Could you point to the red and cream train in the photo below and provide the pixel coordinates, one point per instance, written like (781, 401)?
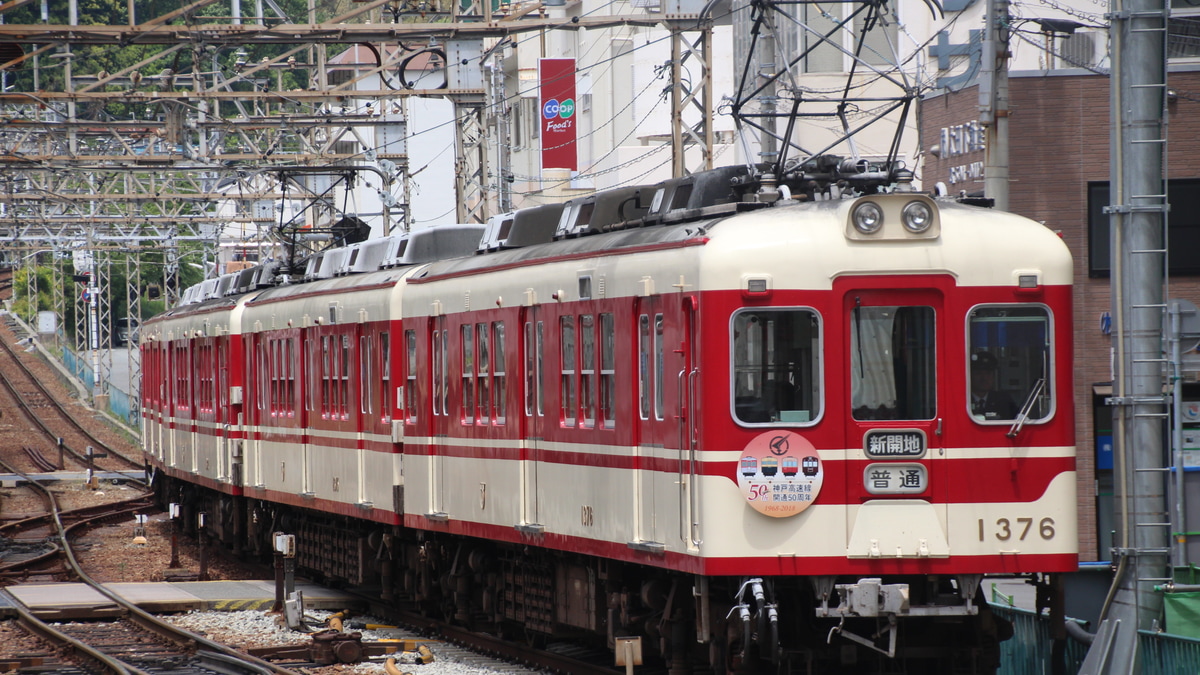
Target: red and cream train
(740, 420)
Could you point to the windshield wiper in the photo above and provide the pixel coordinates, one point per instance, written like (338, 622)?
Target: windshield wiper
(1026, 407)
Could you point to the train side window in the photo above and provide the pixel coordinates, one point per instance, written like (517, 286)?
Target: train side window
(262, 363)
(587, 369)
(538, 366)
(482, 371)
(410, 386)
(365, 374)
(1009, 363)
(223, 377)
(332, 405)
(385, 378)
(345, 377)
(437, 372)
(468, 373)
(659, 366)
(499, 390)
(533, 369)
(644, 365)
(291, 376)
(273, 376)
(530, 356)
(893, 363)
(608, 384)
(776, 366)
(325, 393)
(444, 374)
(566, 335)
(310, 361)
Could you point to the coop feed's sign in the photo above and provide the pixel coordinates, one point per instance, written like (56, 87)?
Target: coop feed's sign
(557, 77)
(780, 473)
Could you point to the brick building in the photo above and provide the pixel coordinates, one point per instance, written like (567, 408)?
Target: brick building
(1059, 167)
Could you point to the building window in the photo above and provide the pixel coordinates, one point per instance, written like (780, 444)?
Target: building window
(1183, 32)
(1183, 233)
(880, 43)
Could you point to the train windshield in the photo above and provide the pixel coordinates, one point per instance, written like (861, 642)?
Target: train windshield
(1009, 369)
(893, 374)
(775, 367)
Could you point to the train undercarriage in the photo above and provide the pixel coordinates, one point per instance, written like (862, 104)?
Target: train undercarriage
(685, 623)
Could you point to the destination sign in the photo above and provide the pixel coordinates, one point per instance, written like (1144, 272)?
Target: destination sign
(886, 443)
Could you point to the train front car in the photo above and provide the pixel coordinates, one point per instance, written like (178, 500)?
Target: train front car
(913, 359)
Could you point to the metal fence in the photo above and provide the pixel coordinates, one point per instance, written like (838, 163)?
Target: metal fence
(120, 403)
(1029, 650)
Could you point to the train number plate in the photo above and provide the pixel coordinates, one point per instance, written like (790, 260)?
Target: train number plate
(895, 478)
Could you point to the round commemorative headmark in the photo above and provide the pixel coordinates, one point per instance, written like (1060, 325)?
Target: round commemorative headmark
(780, 473)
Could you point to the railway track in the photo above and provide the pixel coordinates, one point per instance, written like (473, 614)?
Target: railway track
(58, 427)
(558, 657)
(135, 641)
(28, 544)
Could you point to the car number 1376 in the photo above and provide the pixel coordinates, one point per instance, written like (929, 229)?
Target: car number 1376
(1006, 529)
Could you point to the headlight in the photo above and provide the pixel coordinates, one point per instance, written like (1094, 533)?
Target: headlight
(868, 217)
(917, 217)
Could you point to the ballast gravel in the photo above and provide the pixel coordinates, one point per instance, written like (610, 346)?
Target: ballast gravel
(251, 629)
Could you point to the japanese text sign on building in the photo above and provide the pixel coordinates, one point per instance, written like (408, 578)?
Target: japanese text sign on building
(557, 78)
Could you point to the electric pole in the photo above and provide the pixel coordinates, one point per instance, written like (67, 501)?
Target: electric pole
(993, 103)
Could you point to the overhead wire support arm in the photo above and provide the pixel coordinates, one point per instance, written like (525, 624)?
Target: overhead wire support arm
(764, 84)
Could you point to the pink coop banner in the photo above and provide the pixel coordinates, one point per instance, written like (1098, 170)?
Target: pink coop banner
(557, 78)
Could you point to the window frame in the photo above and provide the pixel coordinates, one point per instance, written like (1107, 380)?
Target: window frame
(588, 384)
(467, 372)
(1049, 389)
(660, 364)
(499, 395)
(818, 367)
(568, 369)
(607, 403)
(409, 398)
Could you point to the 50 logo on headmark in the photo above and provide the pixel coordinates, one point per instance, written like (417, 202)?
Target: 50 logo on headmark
(553, 109)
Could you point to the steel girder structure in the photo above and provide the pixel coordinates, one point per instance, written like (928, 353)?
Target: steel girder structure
(691, 96)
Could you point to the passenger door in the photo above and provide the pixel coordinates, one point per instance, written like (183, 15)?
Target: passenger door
(653, 503)
(896, 342)
(533, 414)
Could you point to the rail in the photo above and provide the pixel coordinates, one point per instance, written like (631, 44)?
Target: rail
(42, 424)
(231, 659)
